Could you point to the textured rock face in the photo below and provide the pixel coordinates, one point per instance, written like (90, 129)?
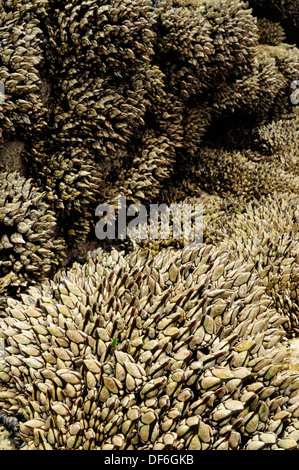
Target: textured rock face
(159, 346)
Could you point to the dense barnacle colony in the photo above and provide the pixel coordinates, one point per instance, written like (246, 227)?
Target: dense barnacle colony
(149, 344)
(29, 247)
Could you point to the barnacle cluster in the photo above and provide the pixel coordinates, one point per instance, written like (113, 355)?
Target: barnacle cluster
(285, 12)
(270, 32)
(244, 173)
(184, 350)
(29, 247)
(23, 114)
(150, 344)
(266, 232)
(130, 92)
